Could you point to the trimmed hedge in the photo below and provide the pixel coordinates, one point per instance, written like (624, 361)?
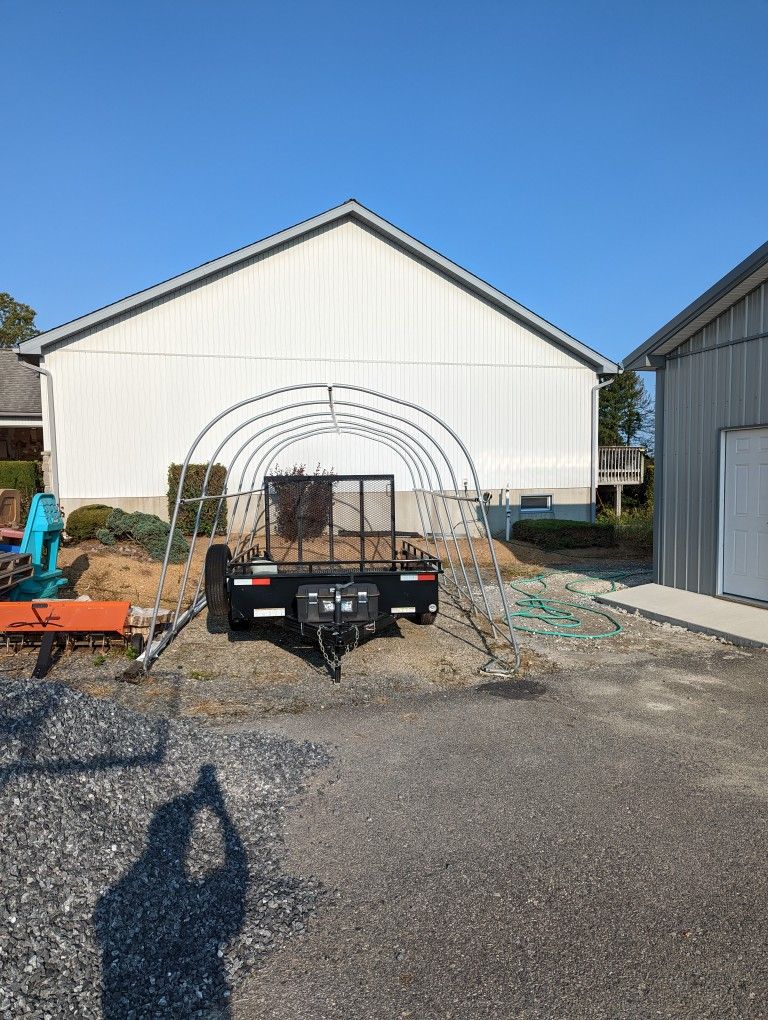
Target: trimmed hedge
(24, 475)
(193, 487)
(87, 520)
(147, 530)
(554, 534)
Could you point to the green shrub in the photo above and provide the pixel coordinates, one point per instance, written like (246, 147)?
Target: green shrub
(24, 475)
(105, 537)
(193, 487)
(148, 531)
(635, 531)
(551, 533)
(87, 520)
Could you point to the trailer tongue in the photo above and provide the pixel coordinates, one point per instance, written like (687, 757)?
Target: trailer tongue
(332, 567)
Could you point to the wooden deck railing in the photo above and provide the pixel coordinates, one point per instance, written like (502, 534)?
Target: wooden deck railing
(621, 465)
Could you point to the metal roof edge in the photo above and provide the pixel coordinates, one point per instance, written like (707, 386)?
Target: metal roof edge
(603, 365)
(352, 209)
(642, 356)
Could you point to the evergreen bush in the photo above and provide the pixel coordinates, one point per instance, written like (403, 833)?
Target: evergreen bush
(148, 531)
(24, 475)
(192, 489)
(87, 520)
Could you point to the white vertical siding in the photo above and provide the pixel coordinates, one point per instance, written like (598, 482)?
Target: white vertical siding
(341, 305)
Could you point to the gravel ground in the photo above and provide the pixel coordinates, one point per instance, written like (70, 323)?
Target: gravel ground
(141, 859)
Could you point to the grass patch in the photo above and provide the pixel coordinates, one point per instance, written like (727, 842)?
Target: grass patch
(199, 674)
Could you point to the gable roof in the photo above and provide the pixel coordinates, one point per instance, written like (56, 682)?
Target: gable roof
(19, 389)
(721, 295)
(352, 210)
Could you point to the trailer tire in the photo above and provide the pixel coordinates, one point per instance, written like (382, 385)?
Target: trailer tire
(425, 619)
(216, 561)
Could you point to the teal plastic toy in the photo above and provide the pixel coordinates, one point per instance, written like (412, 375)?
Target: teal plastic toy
(42, 538)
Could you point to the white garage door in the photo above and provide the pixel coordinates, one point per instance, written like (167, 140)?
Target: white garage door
(745, 514)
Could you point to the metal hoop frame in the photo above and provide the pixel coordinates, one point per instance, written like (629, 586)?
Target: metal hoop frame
(269, 433)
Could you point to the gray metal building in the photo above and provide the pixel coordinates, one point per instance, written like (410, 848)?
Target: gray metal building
(711, 497)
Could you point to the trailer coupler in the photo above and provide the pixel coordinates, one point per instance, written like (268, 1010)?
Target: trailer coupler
(337, 644)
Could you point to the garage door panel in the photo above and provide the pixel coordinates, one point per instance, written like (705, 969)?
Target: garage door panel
(762, 557)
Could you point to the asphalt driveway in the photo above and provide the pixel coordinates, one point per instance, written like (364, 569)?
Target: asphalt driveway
(586, 843)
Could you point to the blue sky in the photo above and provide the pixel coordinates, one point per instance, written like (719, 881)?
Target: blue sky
(601, 162)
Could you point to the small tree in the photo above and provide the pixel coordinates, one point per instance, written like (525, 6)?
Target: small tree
(17, 321)
(626, 412)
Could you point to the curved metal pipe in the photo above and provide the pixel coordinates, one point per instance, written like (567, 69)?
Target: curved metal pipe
(379, 413)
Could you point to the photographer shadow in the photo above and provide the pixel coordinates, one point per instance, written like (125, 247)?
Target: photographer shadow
(161, 930)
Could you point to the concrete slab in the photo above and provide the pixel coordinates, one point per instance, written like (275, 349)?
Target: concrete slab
(733, 621)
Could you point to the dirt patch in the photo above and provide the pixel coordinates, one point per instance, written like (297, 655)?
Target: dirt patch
(124, 571)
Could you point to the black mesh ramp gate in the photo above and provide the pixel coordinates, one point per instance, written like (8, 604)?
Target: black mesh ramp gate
(334, 519)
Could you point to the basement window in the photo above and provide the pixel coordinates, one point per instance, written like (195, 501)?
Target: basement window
(535, 504)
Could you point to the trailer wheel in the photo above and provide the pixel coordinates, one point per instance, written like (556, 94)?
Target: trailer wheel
(216, 560)
(424, 619)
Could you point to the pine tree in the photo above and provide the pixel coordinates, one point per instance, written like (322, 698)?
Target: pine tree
(626, 413)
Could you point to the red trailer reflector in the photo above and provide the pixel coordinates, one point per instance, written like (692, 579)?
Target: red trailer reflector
(426, 577)
(261, 580)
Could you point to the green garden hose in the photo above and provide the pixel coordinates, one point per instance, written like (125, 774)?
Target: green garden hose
(559, 614)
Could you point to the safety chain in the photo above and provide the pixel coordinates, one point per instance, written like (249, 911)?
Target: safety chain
(330, 655)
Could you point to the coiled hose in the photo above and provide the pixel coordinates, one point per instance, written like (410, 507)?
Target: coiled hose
(562, 617)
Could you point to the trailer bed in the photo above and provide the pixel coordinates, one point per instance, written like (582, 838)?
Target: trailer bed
(331, 565)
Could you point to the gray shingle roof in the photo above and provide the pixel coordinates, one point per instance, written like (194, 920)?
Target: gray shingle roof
(19, 388)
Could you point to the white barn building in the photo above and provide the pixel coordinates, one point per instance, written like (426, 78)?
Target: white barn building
(344, 297)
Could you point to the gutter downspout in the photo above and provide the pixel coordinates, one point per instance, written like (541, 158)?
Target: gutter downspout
(593, 473)
(51, 424)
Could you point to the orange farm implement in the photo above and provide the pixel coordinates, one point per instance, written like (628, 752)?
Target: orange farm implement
(64, 624)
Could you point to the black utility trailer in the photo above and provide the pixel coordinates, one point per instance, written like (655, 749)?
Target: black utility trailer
(332, 567)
